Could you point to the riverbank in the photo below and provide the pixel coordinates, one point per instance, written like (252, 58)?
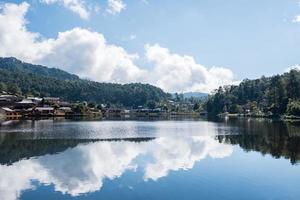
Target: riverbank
(282, 117)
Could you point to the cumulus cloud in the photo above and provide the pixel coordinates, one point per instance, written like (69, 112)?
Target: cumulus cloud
(78, 50)
(89, 55)
(175, 72)
(115, 6)
(13, 31)
(77, 6)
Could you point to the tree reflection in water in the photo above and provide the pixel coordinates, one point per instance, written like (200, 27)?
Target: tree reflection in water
(277, 138)
(82, 169)
(76, 166)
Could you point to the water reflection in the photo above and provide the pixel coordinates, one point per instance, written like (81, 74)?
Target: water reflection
(76, 158)
(83, 168)
(277, 138)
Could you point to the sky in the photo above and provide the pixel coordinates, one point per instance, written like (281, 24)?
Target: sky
(180, 46)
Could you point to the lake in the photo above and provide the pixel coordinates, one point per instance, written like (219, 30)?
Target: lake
(187, 159)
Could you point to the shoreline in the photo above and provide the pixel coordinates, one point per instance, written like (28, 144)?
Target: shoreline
(281, 118)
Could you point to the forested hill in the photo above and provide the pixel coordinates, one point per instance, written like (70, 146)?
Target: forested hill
(272, 96)
(14, 65)
(27, 79)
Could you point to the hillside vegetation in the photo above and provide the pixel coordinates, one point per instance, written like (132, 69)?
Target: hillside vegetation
(273, 96)
(26, 79)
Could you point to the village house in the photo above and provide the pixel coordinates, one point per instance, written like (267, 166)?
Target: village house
(114, 112)
(51, 100)
(35, 100)
(62, 111)
(41, 111)
(7, 100)
(25, 104)
(7, 112)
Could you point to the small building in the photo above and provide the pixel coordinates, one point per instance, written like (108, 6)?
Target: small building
(41, 111)
(7, 112)
(114, 112)
(9, 97)
(25, 104)
(51, 100)
(64, 104)
(36, 100)
(62, 111)
(7, 100)
(147, 112)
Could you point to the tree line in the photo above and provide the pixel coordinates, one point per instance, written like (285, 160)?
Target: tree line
(269, 96)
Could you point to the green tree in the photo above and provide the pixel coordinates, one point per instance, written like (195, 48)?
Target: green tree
(3, 87)
(293, 85)
(196, 106)
(14, 89)
(277, 95)
(293, 108)
(151, 104)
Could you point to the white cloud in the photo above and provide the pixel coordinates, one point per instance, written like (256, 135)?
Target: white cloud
(77, 6)
(175, 72)
(88, 54)
(296, 19)
(115, 6)
(15, 40)
(78, 50)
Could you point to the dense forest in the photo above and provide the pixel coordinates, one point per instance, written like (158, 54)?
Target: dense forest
(26, 79)
(273, 96)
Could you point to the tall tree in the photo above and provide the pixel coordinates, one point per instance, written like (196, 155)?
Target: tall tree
(293, 85)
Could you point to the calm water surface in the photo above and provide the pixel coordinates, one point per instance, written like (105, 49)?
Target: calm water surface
(236, 159)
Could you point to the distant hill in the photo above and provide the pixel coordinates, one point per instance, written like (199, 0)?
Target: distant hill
(195, 95)
(16, 66)
(19, 77)
(187, 95)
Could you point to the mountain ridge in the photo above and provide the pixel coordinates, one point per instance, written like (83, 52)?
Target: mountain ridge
(37, 80)
(16, 65)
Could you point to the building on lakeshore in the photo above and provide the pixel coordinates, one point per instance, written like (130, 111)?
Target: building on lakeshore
(41, 111)
(25, 104)
(51, 100)
(36, 100)
(8, 100)
(62, 111)
(7, 112)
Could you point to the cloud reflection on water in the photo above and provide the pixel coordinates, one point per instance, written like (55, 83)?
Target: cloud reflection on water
(82, 169)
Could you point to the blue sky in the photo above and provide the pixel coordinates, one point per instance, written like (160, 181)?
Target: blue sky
(249, 37)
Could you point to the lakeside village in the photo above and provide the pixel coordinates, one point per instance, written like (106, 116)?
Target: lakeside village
(17, 107)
